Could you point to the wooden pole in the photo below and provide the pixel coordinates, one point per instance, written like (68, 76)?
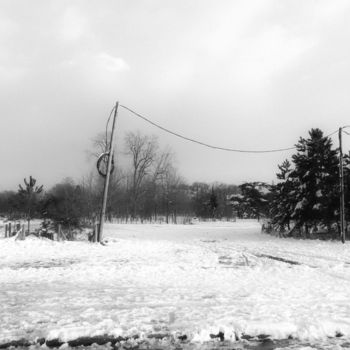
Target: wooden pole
(6, 229)
(341, 181)
(23, 233)
(59, 234)
(10, 229)
(109, 166)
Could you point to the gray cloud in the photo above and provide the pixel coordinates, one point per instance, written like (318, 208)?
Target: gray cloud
(240, 74)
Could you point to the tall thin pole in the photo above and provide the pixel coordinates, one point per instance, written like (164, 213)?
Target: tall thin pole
(109, 166)
(341, 180)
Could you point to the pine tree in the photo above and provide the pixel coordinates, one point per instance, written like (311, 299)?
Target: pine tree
(254, 202)
(316, 172)
(284, 201)
(29, 193)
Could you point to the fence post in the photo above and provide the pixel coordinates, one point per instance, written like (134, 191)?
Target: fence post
(18, 226)
(6, 230)
(59, 234)
(23, 233)
(95, 232)
(10, 229)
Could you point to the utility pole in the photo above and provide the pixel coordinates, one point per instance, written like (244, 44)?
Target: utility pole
(341, 180)
(109, 166)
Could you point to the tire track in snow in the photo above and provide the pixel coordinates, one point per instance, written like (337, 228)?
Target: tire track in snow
(318, 257)
(318, 268)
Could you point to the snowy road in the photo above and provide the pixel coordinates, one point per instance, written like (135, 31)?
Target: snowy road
(192, 280)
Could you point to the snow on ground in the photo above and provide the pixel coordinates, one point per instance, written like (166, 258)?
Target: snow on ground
(180, 279)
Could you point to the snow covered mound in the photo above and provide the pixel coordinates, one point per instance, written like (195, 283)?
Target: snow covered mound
(195, 280)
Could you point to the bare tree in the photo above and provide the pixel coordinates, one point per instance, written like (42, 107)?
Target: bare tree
(162, 166)
(93, 183)
(99, 145)
(170, 183)
(90, 185)
(142, 191)
(163, 163)
(143, 150)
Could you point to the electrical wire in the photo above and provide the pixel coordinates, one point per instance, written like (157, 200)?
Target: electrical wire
(344, 127)
(206, 144)
(331, 134)
(203, 143)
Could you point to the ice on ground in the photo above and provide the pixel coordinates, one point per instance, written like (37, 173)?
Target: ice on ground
(195, 280)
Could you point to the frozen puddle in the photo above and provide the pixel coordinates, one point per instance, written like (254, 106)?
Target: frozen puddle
(190, 283)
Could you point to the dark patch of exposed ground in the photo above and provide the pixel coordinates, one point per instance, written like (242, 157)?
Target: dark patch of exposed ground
(161, 341)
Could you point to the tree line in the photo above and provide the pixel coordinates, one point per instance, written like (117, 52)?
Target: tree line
(305, 200)
(148, 186)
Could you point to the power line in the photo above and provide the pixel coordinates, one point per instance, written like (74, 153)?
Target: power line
(203, 143)
(331, 134)
(344, 127)
(206, 144)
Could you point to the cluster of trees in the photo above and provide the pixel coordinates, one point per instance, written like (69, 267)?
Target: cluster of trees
(305, 198)
(22, 203)
(149, 187)
(62, 204)
(307, 194)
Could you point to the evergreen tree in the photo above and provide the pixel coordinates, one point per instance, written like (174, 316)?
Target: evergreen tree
(284, 198)
(29, 195)
(316, 172)
(254, 200)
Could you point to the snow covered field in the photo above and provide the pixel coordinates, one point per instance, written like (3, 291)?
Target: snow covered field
(194, 280)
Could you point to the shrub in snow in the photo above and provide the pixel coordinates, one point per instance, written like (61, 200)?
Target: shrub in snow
(64, 205)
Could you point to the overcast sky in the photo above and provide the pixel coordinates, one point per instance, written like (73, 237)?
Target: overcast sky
(254, 74)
